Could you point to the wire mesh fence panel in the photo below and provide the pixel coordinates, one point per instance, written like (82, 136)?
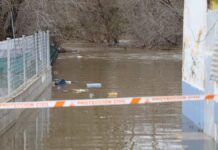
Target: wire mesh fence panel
(40, 52)
(44, 49)
(30, 57)
(20, 60)
(3, 73)
(17, 60)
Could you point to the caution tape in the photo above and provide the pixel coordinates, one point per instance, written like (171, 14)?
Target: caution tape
(104, 102)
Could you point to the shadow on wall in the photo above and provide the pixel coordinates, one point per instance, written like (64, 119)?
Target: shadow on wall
(193, 110)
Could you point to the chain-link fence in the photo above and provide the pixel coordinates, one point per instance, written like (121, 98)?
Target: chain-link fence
(21, 60)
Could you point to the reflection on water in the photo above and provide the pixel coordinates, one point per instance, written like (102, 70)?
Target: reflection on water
(29, 130)
(127, 73)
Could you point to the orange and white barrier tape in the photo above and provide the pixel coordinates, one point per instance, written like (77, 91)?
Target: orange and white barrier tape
(104, 102)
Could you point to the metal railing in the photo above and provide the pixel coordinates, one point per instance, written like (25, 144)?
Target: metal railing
(21, 60)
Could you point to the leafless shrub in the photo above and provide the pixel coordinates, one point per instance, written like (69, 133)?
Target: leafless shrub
(151, 22)
(156, 22)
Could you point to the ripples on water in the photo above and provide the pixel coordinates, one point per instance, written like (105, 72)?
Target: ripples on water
(143, 127)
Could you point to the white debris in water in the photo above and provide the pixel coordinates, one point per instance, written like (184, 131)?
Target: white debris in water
(78, 91)
(102, 117)
(79, 57)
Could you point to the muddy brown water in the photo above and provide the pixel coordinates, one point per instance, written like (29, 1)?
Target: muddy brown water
(122, 73)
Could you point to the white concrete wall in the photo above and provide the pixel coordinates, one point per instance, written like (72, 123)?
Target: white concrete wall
(198, 45)
(195, 29)
(210, 114)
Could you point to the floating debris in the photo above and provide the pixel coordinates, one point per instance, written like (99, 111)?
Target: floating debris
(79, 57)
(112, 95)
(91, 95)
(78, 91)
(102, 117)
(68, 82)
(62, 82)
(93, 85)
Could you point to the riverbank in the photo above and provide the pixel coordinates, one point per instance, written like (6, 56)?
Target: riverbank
(126, 45)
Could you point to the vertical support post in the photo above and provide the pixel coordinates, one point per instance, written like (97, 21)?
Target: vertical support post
(24, 58)
(44, 50)
(9, 64)
(36, 52)
(48, 48)
(40, 49)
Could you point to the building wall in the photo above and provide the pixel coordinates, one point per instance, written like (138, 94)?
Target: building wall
(211, 86)
(198, 44)
(195, 26)
(195, 29)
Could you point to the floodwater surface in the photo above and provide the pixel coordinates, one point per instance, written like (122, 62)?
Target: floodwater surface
(122, 73)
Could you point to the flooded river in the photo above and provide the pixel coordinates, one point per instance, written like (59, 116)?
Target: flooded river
(122, 73)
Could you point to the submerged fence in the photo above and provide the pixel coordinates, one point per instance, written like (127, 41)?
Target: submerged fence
(21, 60)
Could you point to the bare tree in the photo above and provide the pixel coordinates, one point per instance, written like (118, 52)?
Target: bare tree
(156, 22)
(101, 20)
(151, 22)
(8, 15)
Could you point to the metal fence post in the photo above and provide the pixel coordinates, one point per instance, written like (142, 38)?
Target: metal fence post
(36, 53)
(48, 48)
(44, 50)
(40, 49)
(24, 58)
(9, 65)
